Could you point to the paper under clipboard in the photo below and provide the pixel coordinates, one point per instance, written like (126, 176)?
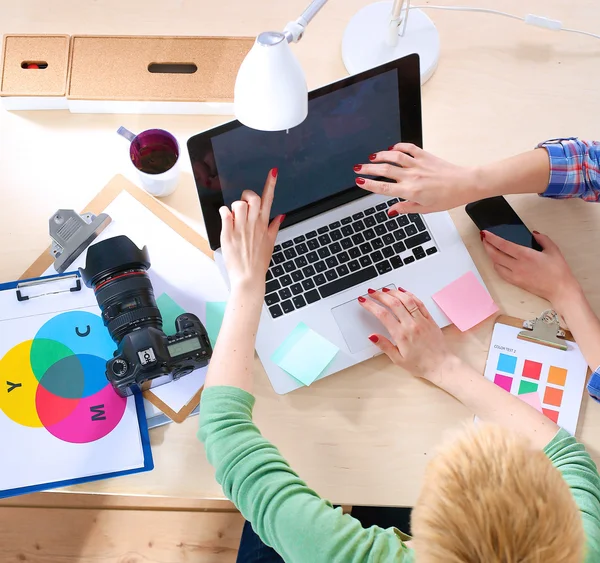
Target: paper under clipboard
(60, 419)
(189, 276)
(540, 363)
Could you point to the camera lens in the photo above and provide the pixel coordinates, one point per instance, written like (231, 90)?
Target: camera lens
(116, 270)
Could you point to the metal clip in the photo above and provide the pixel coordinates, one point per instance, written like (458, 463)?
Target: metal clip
(72, 233)
(545, 330)
(49, 286)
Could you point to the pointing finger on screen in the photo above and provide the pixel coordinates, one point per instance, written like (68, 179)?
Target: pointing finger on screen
(268, 193)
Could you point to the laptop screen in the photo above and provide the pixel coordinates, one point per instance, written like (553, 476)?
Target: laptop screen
(314, 159)
(346, 122)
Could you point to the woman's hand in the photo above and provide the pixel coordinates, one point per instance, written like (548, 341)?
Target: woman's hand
(247, 239)
(418, 344)
(427, 182)
(546, 273)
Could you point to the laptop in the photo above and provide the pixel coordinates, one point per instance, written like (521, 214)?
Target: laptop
(337, 239)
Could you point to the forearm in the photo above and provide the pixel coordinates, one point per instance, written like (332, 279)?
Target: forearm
(233, 357)
(528, 172)
(582, 322)
(492, 404)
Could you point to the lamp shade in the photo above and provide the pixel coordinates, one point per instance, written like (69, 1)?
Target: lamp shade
(270, 90)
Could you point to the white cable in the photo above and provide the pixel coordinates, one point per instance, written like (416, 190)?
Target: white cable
(581, 32)
(530, 19)
(469, 9)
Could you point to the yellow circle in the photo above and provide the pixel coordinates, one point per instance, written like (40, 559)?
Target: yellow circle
(18, 386)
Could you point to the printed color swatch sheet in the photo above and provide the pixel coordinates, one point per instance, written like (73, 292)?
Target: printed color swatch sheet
(556, 376)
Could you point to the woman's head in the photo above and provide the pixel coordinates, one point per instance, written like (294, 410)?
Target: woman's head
(489, 498)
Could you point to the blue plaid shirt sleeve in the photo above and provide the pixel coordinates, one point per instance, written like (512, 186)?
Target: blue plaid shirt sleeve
(594, 385)
(574, 168)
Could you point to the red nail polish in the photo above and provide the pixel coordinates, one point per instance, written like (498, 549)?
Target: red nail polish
(361, 299)
(274, 172)
(371, 291)
(402, 289)
(360, 181)
(391, 148)
(385, 289)
(357, 167)
(281, 218)
(392, 213)
(536, 232)
(372, 156)
(482, 235)
(374, 339)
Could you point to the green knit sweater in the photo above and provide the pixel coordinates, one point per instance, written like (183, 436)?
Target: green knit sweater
(301, 526)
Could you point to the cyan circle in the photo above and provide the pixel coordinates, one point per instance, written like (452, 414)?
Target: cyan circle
(81, 332)
(94, 373)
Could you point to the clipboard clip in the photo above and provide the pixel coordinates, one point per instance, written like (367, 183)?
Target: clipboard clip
(48, 286)
(545, 330)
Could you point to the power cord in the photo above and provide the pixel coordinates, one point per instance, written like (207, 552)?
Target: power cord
(529, 19)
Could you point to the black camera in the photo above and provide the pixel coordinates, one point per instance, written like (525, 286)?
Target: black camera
(117, 271)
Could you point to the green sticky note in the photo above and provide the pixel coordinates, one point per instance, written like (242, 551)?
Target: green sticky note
(215, 311)
(304, 354)
(527, 387)
(169, 311)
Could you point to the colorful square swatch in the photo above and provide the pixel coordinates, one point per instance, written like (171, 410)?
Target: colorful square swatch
(465, 301)
(503, 381)
(215, 311)
(533, 400)
(304, 354)
(552, 415)
(557, 376)
(553, 396)
(507, 363)
(169, 311)
(527, 387)
(532, 370)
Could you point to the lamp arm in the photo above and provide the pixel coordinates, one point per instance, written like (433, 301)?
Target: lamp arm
(295, 30)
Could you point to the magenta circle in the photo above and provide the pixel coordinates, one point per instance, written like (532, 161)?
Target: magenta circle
(92, 419)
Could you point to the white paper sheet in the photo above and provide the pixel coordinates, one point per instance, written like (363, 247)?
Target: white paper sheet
(178, 269)
(512, 372)
(53, 429)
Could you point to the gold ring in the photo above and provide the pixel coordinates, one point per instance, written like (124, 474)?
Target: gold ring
(412, 311)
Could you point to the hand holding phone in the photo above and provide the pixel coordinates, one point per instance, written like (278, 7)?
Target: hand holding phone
(495, 215)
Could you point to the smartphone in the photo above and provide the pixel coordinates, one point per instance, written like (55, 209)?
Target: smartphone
(495, 215)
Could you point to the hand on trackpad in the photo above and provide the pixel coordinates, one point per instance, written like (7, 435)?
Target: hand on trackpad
(356, 324)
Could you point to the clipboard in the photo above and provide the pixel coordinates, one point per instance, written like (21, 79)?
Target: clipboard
(106, 196)
(548, 371)
(27, 290)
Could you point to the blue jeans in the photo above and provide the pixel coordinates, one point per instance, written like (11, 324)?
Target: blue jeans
(253, 550)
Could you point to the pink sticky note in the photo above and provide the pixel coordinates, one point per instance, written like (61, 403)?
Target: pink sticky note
(466, 302)
(533, 400)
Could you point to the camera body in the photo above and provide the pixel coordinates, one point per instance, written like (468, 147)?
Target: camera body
(147, 354)
(116, 270)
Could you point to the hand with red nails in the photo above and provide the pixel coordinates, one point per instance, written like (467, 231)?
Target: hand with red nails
(426, 182)
(417, 343)
(247, 239)
(545, 273)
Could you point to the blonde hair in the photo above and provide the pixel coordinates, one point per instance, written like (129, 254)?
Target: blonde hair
(489, 498)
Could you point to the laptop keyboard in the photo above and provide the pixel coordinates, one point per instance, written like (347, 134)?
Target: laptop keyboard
(343, 254)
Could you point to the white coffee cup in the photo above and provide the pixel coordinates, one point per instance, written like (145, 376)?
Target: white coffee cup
(155, 155)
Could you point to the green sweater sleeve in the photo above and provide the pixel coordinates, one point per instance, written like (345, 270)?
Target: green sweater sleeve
(580, 472)
(283, 510)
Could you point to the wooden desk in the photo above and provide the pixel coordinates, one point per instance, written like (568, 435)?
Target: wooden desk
(363, 436)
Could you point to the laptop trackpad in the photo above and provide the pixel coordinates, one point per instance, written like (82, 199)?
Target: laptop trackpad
(356, 324)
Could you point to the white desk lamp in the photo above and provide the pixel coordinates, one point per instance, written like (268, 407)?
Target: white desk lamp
(270, 89)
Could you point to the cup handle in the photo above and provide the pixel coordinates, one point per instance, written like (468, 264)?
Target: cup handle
(126, 133)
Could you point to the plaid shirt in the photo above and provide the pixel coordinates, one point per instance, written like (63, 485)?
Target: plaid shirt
(574, 169)
(575, 172)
